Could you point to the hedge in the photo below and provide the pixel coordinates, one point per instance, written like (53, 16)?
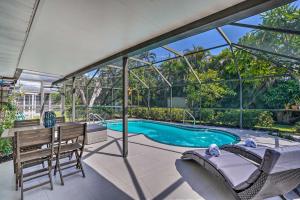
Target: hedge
(230, 117)
(251, 118)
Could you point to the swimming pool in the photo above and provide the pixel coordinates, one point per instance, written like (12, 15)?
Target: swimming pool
(177, 135)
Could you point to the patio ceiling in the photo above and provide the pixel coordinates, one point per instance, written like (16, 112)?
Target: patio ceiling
(15, 16)
(68, 36)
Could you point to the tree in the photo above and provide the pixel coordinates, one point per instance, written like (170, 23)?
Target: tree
(283, 93)
(286, 17)
(210, 91)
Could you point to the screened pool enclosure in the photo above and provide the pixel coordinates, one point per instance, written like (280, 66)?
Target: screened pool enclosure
(244, 74)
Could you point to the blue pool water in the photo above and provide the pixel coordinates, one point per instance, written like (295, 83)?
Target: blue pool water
(177, 135)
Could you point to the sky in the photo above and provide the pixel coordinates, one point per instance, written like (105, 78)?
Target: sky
(211, 38)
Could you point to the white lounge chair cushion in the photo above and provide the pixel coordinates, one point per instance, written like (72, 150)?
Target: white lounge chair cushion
(281, 159)
(238, 171)
(259, 151)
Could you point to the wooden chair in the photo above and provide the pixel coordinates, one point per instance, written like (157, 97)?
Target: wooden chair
(25, 123)
(21, 124)
(60, 120)
(77, 134)
(27, 139)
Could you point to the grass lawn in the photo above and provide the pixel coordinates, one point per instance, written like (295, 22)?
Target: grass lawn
(283, 128)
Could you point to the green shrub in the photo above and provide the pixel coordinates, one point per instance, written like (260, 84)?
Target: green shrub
(252, 118)
(140, 112)
(177, 114)
(228, 118)
(5, 146)
(265, 119)
(159, 113)
(207, 115)
(9, 111)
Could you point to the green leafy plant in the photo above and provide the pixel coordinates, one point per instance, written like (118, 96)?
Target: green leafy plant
(5, 146)
(9, 112)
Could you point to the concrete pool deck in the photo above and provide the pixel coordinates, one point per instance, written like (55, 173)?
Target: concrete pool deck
(151, 171)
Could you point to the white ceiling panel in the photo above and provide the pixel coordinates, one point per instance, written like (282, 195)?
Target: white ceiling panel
(14, 21)
(67, 35)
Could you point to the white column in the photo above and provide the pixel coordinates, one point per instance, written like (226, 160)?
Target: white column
(42, 101)
(24, 104)
(32, 105)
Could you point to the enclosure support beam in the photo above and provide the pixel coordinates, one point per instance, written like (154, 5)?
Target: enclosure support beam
(171, 102)
(125, 106)
(186, 60)
(138, 97)
(148, 101)
(92, 77)
(267, 52)
(266, 28)
(221, 32)
(155, 68)
(187, 54)
(112, 96)
(138, 78)
(267, 59)
(87, 98)
(73, 100)
(134, 74)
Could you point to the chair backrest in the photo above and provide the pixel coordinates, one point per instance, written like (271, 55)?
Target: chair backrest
(71, 131)
(281, 159)
(60, 120)
(24, 123)
(280, 169)
(34, 137)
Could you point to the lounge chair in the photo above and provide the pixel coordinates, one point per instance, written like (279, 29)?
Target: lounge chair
(254, 154)
(278, 173)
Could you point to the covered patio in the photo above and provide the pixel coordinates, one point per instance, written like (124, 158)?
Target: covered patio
(187, 64)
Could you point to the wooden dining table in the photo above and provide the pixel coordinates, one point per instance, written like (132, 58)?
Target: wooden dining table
(10, 132)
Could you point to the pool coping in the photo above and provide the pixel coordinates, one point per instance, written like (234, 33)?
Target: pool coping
(184, 126)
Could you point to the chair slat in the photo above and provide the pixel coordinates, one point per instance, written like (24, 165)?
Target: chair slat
(24, 123)
(34, 137)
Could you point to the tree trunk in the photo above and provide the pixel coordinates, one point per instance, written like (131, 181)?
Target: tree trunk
(96, 93)
(82, 95)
